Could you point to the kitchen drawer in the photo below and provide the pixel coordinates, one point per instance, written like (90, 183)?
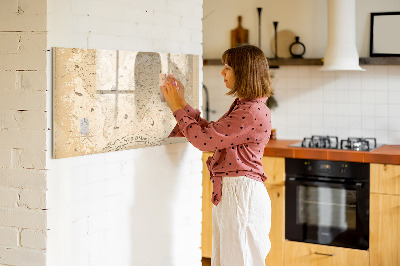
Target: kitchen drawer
(385, 178)
(305, 254)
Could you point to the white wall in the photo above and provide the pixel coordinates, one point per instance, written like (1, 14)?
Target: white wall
(311, 102)
(23, 133)
(135, 207)
(305, 18)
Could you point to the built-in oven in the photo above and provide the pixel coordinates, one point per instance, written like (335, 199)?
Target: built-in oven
(327, 202)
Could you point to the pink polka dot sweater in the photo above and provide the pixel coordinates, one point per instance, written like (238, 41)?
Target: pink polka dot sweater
(238, 139)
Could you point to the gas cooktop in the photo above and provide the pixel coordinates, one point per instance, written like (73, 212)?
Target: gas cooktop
(332, 142)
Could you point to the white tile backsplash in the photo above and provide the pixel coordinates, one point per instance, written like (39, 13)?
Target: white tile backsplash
(343, 103)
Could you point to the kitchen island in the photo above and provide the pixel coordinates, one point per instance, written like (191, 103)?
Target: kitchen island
(384, 248)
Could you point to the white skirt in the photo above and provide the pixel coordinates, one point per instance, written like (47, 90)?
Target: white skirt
(241, 223)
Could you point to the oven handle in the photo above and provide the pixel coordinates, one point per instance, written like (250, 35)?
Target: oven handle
(357, 185)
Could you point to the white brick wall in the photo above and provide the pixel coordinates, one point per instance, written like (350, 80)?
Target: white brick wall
(136, 207)
(23, 132)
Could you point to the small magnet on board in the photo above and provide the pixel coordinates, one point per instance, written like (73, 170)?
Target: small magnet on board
(84, 122)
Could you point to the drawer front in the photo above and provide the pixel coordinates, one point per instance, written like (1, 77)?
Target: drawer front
(385, 178)
(297, 253)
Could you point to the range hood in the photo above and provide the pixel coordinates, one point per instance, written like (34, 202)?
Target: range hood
(341, 51)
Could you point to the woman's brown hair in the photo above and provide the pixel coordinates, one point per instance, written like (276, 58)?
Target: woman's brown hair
(250, 66)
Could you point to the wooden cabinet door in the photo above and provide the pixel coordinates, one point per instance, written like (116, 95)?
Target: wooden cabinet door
(385, 178)
(305, 254)
(274, 168)
(384, 236)
(206, 226)
(277, 233)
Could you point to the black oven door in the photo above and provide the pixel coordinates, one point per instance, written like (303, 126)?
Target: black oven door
(327, 212)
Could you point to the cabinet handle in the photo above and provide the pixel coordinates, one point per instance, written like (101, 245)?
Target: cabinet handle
(325, 254)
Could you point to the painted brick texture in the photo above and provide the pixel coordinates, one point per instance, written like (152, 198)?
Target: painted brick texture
(23, 218)
(118, 208)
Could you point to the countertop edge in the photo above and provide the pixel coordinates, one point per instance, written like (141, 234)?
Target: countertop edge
(386, 154)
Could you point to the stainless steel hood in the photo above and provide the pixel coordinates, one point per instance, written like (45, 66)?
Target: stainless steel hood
(341, 51)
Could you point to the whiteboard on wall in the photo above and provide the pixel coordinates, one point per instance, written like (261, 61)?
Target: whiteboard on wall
(109, 100)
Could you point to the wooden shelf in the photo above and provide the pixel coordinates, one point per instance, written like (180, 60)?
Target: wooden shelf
(380, 61)
(273, 63)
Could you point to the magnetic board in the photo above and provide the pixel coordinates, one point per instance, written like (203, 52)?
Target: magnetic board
(109, 100)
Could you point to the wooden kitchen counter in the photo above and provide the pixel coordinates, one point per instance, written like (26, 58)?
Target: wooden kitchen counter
(388, 154)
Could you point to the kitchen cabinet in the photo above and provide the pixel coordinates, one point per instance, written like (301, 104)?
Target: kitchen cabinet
(305, 254)
(385, 215)
(206, 225)
(274, 168)
(385, 178)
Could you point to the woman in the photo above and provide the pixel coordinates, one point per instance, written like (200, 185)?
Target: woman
(242, 208)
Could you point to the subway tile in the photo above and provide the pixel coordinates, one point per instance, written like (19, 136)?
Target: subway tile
(394, 70)
(394, 83)
(329, 109)
(292, 82)
(355, 109)
(367, 122)
(367, 110)
(317, 95)
(382, 110)
(329, 122)
(367, 133)
(382, 136)
(380, 71)
(342, 122)
(317, 131)
(304, 82)
(355, 122)
(328, 74)
(315, 72)
(316, 83)
(380, 84)
(394, 137)
(355, 96)
(342, 133)
(342, 96)
(355, 132)
(367, 96)
(342, 109)
(381, 97)
(394, 123)
(394, 110)
(304, 72)
(354, 82)
(329, 94)
(342, 80)
(317, 107)
(367, 83)
(381, 123)
(394, 97)
(317, 120)
(291, 71)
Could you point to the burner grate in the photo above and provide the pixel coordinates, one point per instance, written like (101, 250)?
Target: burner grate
(327, 142)
(358, 144)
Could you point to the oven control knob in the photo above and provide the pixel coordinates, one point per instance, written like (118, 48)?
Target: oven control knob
(343, 168)
(308, 166)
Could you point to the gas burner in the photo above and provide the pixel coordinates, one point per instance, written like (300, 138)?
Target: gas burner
(332, 142)
(327, 142)
(358, 144)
